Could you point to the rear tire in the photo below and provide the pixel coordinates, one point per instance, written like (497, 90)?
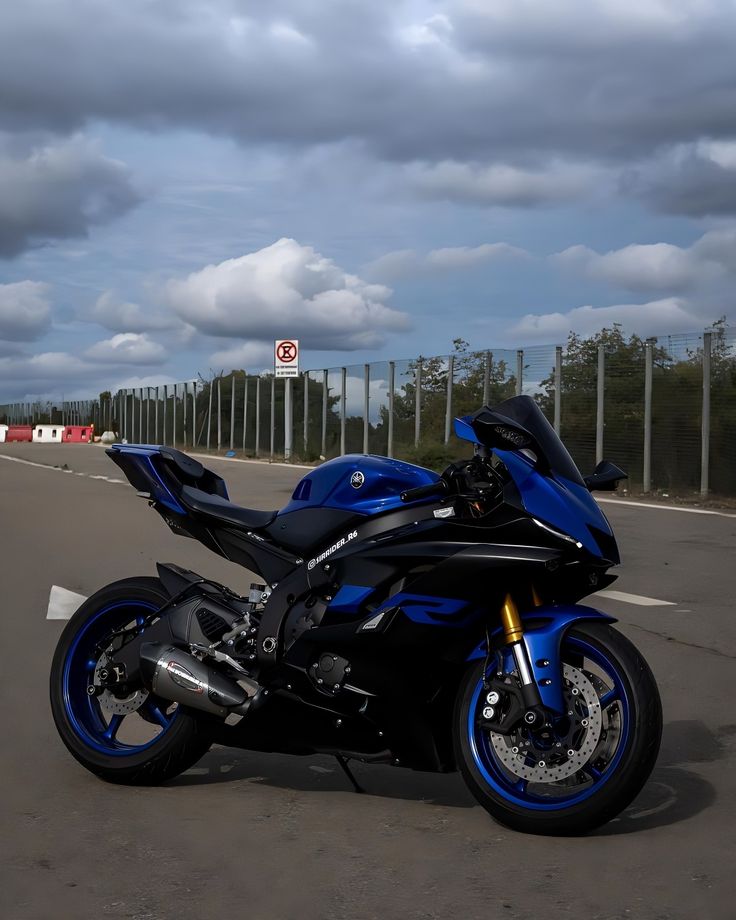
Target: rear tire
(566, 809)
(184, 736)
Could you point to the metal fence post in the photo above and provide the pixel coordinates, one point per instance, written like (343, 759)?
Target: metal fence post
(273, 413)
(164, 408)
(647, 477)
(148, 415)
(343, 407)
(232, 413)
(219, 413)
(366, 405)
(209, 411)
(140, 415)
(195, 436)
(288, 419)
(448, 406)
(391, 394)
(418, 402)
(174, 397)
(705, 430)
(600, 403)
(487, 378)
(305, 433)
(558, 388)
(245, 408)
(519, 371)
(323, 452)
(257, 449)
(184, 414)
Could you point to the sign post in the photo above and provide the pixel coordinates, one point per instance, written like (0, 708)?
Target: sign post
(286, 364)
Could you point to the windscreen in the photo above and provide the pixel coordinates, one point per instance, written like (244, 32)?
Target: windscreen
(523, 412)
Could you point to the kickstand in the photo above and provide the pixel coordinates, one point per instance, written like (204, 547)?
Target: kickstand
(348, 772)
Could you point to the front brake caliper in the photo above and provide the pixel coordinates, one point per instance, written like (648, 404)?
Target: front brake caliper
(503, 708)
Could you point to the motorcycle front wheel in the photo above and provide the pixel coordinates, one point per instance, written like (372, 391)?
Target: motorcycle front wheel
(586, 766)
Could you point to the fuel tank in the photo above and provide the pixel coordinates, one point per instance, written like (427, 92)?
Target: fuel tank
(341, 492)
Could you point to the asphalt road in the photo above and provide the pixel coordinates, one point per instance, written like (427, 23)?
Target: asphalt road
(267, 836)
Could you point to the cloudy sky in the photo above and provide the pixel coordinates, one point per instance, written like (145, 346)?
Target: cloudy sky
(182, 181)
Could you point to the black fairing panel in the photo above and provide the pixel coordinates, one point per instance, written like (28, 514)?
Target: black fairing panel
(311, 528)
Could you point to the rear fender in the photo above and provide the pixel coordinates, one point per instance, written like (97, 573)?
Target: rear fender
(176, 579)
(543, 639)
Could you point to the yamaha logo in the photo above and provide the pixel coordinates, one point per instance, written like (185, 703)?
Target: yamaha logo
(357, 479)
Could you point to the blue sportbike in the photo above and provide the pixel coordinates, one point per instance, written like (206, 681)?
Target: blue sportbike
(399, 616)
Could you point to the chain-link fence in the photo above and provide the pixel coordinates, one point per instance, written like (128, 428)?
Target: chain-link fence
(664, 409)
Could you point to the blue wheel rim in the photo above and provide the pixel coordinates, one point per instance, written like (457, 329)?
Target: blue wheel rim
(83, 711)
(516, 791)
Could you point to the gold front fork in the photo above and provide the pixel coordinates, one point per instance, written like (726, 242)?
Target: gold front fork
(511, 621)
(514, 635)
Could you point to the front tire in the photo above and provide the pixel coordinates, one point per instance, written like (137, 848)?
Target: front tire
(135, 740)
(617, 724)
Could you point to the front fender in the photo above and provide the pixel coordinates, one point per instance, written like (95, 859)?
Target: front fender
(543, 644)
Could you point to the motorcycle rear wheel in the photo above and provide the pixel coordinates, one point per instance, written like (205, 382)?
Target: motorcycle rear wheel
(139, 740)
(567, 792)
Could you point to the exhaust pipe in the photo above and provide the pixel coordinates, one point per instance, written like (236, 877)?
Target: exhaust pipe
(175, 675)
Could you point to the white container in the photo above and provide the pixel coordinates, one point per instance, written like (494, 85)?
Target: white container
(48, 434)
(3, 429)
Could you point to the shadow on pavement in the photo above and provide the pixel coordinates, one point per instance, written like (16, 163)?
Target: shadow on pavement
(671, 795)
(322, 774)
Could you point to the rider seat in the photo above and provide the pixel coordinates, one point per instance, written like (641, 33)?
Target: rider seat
(224, 510)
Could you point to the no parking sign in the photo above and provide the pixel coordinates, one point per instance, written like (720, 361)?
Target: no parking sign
(286, 357)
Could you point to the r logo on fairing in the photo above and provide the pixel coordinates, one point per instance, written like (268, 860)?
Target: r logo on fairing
(357, 479)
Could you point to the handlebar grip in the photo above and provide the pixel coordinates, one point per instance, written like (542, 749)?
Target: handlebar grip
(434, 488)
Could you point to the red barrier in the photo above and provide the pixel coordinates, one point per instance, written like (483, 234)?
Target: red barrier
(79, 434)
(19, 433)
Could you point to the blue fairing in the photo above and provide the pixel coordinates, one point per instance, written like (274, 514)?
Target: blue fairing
(141, 455)
(556, 501)
(543, 644)
(550, 497)
(383, 481)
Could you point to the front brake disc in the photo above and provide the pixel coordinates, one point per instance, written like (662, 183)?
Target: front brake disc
(536, 766)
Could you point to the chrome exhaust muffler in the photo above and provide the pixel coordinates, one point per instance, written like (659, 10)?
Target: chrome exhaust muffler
(175, 675)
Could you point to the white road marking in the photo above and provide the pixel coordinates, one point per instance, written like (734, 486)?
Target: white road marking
(63, 604)
(282, 463)
(658, 507)
(59, 469)
(637, 599)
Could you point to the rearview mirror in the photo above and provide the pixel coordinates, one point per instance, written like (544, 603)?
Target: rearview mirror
(604, 477)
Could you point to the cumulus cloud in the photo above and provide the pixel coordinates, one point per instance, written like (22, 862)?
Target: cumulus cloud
(58, 191)
(127, 348)
(46, 375)
(25, 311)
(475, 88)
(148, 380)
(695, 180)
(252, 356)
(407, 262)
(503, 184)
(657, 266)
(286, 289)
(652, 318)
(122, 316)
